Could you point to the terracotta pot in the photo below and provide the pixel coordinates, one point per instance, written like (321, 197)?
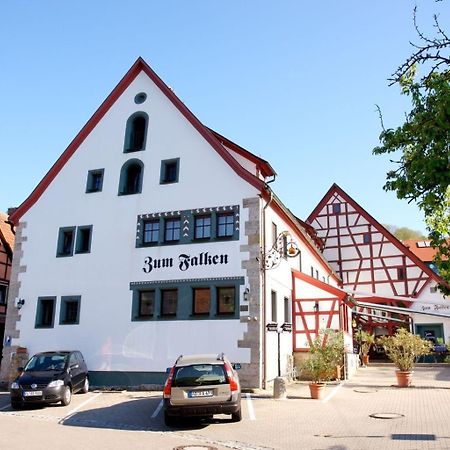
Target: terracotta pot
(404, 378)
(317, 390)
(365, 359)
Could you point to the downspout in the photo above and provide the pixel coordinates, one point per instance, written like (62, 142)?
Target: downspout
(263, 268)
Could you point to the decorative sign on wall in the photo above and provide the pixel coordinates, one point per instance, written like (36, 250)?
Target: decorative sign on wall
(184, 262)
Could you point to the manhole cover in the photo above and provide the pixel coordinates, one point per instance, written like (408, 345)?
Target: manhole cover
(386, 416)
(365, 391)
(194, 447)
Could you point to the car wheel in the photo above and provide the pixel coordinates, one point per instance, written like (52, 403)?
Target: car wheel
(67, 396)
(16, 404)
(85, 388)
(237, 416)
(170, 421)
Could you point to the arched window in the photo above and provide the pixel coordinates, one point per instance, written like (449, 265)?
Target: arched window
(136, 132)
(131, 177)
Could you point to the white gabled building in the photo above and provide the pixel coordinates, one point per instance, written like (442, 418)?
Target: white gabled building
(154, 236)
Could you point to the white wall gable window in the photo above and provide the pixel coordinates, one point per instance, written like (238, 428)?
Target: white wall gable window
(131, 176)
(136, 132)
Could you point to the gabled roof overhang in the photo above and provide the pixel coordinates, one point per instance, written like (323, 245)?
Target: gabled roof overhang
(139, 66)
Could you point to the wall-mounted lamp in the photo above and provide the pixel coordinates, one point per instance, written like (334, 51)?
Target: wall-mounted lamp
(246, 294)
(19, 303)
(283, 247)
(316, 306)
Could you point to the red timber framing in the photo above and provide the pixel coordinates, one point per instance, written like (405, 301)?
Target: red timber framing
(316, 306)
(6, 243)
(368, 258)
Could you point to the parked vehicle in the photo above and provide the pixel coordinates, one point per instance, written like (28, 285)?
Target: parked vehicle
(201, 386)
(50, 377)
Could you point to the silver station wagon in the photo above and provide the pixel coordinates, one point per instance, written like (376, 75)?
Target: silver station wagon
(201, 386)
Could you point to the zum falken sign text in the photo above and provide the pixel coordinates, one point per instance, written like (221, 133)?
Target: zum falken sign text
(185, 262)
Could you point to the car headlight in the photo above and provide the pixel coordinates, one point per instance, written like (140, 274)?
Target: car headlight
(56, 383)
(15, 385)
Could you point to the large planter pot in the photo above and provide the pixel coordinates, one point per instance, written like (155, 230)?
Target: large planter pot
(404, 378)
(317, 390)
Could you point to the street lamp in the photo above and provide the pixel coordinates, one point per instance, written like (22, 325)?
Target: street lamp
(283, 247)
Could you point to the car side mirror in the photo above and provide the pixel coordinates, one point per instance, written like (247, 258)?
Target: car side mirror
(236, 366)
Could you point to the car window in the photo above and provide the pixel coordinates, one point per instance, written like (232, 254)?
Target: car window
(79, 357)
(46, 362)
(73, 360)
(199, 374)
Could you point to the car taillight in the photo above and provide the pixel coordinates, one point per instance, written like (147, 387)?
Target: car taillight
(168, 386)
(233, 382)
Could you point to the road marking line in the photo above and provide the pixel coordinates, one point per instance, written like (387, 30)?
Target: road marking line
(333, 392)
(251, 411)
(71, 413)
(158, 409)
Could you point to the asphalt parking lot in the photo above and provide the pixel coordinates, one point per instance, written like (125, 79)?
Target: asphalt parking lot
(366, 412)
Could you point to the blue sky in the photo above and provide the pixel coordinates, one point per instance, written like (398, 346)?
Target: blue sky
(295, 82)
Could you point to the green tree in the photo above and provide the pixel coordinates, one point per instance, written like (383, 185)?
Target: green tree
(422, 172)
(404, 233)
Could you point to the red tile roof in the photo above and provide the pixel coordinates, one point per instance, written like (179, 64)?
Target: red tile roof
(6, 234)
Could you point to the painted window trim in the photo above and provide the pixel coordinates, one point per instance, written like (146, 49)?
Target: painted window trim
(127, 137)
(164, 164)
(38, 321)
(60, 242)
(185, 298)
(78, 239)
(89, 181)
(62, 309)
(187, 222)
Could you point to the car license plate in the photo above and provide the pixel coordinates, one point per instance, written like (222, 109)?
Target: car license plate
(205, 393)
(32, 393)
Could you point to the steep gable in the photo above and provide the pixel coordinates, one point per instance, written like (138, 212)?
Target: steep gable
(138, 67)
(368, 258)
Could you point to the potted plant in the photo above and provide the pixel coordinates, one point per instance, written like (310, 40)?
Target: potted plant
(365, 341)
(403, 348)
(326, 352)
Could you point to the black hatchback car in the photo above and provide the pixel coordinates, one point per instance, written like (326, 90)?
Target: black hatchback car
(50, 377)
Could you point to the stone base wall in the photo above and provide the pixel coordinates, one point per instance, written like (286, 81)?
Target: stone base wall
(12, 312)
(251, 375)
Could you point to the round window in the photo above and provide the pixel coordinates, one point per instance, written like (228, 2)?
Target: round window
(140, 98)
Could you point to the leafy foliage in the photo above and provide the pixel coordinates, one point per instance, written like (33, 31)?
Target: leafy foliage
(326, 352)
(423, 142)
(404, 347)
(365, 341)
(404, 233)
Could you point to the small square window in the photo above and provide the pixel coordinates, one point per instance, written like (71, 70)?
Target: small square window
(3, 290)
(151, 231)
(225, 225)
(45, 312)
(274, 306)
(146, 303)
(401, 275)
(84, 236)
(66, 238)
(287, 310)
(169, 171)
(169, 302)
(70, 310)
(274, 234)
(202, 227)
(336, 208)
(367, 238)
(202, 301)
(172, 230)
(95, 181)
(226, 303)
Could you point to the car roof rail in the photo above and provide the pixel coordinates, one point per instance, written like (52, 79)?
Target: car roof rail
(176, 362)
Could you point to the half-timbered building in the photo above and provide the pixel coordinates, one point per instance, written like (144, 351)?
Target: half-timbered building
(391, 285)
(6, 253)
(154, 236)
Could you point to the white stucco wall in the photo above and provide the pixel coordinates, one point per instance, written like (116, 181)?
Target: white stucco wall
(106, 335)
